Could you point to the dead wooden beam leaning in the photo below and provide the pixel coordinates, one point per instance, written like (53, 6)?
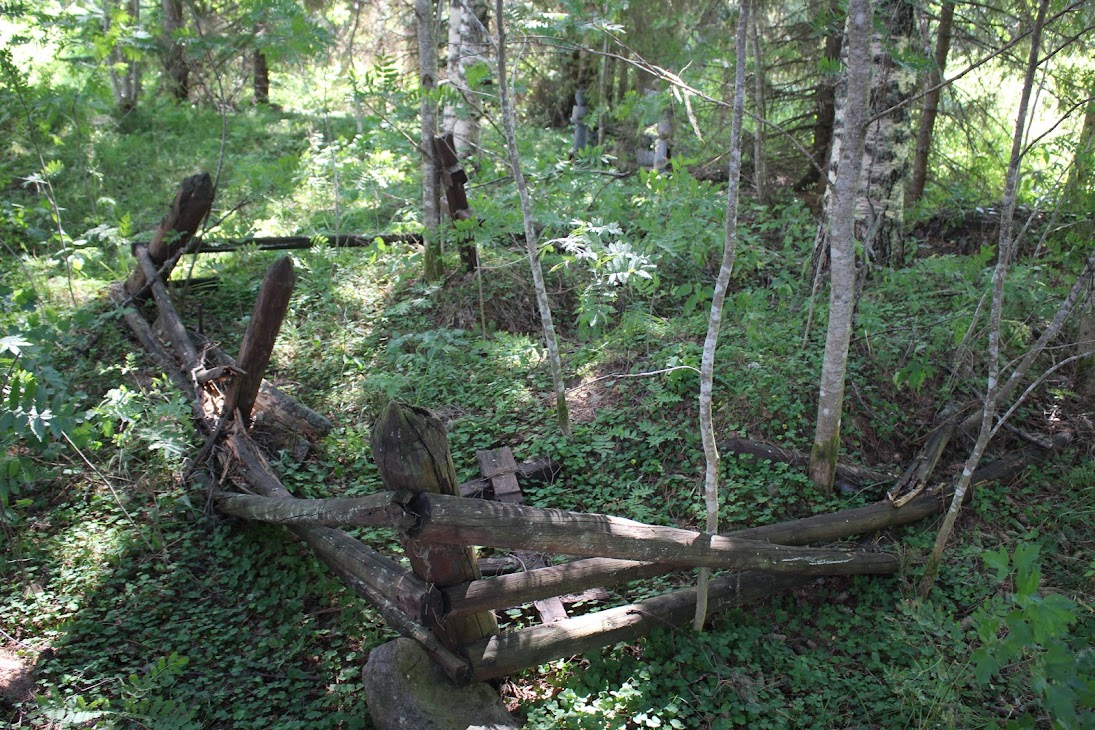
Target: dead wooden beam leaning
(191, 205)
(260, 337)
(855, 474)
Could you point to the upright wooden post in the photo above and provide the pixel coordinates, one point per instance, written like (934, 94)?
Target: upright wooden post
(190, 207)
(454, 178)
(410, 447)
(262, 333)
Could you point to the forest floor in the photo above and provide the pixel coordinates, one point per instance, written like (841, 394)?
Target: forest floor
(140, 606)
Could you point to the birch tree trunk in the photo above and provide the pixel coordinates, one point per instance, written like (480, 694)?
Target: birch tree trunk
(760, 139)
(880, 213)
(1004, 250)
(467, 28)
(509, 125)
(125, 72)
(931, 103)
(176, 70)
(849, 142)
(714, 320)
(431, 200)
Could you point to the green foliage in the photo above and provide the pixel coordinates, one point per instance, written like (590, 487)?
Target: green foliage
(1029, 632)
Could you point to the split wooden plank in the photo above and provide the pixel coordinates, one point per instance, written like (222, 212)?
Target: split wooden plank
(376, 510)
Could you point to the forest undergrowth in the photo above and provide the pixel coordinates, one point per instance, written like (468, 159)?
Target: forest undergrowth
(137, 605)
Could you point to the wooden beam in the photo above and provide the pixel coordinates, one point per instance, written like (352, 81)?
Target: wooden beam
(290, 243)
(169, 317)
(376, 510)
(412, 451)
(507, 653)
(459, 521)
(191, 205)
(260, 337)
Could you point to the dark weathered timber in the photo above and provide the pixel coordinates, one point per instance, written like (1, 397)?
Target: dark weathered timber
(142, 330)
(499, 466)
(412, 451)
(536, 470)
(844, 472)
(261, 335)
(272, 404)
(453, 178)
(456, 668)
(460, 521)
(334, 547)
(920, 469)
(515, 589)
(295, 243)
(169, 318)
(376, 510)
(190, 207)
(499, 566)
(513, 651)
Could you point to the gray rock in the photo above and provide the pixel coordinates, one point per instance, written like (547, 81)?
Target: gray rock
(405, 690)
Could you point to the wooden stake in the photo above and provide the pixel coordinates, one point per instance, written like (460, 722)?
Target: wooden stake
(190, 207)
(262, 333)
(412, 451)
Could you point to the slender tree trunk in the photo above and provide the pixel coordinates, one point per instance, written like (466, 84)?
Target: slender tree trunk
(1085, 368)
(125, 73)
(821, 150)
(714, 320)
(760, 138)
(840, 220)
(931, 103)
(1083, 162)
(431, 196)
(467, 28)
(176, 70)
(1004, 249)
(261, 78)
(509, 125)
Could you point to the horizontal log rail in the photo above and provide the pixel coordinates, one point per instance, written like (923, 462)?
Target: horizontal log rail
(288, 243)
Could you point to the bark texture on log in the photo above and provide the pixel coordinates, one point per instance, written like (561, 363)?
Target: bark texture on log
(459, 521)
(412, 451)
(191, 205)
(261, 335)
(511, 652)
(376, 510)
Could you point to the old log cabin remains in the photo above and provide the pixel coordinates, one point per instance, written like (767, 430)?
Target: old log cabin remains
(444, 601)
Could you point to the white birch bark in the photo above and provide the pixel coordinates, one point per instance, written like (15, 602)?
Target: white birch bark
(509, 125)
(840, 220)
(427, 69)
(1004, 249)
(467, 28)
(714, 320)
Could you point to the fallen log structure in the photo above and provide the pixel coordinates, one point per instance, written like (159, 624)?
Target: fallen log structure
(443, 601)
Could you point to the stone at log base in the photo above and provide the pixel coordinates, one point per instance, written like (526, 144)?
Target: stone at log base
(407, 691)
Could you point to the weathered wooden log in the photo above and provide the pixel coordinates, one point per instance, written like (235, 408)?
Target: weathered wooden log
(515, 589)
(499, 566)
(456, 668)
(453, 178)
(169, 318)
(536, 470)
(191, 205)
(292, 243)
(279, 409)
(844, 472)
(510, 652)
(459, 521)
(916, 475)
(376, 510)
(336, 548)
(412, 452)
(260, 337)
(142, 330)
